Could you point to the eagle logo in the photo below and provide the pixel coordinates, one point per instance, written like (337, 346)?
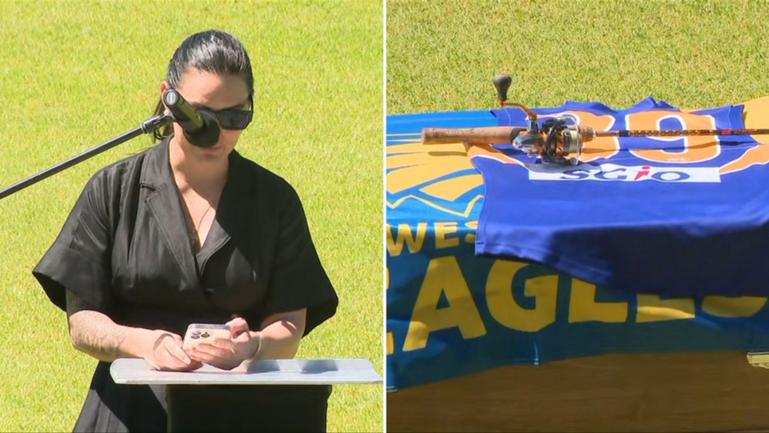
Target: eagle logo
(431, 178)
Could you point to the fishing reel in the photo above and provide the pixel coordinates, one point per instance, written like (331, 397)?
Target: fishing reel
(556, 141)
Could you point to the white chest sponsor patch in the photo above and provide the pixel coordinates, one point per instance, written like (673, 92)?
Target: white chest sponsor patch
(620, 173)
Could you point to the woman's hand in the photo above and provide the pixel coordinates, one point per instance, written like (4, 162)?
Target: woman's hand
(228, 353)
(98, 335)
(164, 352)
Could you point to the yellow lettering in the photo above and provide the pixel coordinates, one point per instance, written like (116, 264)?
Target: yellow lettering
(404, 236)
(443, 277)
(505, 309)
(442, 232)
(652, 308)
(584, 308)
(733, 306)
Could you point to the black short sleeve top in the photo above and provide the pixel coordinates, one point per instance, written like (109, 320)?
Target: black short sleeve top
(125, 250)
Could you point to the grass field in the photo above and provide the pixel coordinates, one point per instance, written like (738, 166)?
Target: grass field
(441, 55)
(74, 74)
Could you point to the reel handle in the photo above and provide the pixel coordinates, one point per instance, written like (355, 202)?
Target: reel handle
(471, 136)
(502, 84)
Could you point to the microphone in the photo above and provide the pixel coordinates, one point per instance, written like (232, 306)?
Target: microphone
(200, 127)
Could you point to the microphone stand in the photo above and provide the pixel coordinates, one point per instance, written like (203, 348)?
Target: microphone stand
(147, 127)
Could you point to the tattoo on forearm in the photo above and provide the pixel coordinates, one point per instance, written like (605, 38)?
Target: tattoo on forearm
(97, 335)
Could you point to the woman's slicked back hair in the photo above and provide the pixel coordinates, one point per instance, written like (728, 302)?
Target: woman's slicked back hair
(212, 51)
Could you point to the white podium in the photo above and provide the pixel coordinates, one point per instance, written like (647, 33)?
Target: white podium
(185, 409)
(266, 372)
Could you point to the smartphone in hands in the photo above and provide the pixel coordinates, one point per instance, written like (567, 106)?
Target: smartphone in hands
(204, 333)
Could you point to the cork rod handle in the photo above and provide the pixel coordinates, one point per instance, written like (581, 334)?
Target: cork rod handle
(485, 135)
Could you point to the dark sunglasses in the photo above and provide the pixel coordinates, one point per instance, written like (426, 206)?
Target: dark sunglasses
(232, 118)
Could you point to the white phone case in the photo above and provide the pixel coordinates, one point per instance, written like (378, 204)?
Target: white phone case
(204, 332)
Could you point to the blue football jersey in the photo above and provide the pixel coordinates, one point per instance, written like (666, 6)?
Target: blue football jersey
(670, 215)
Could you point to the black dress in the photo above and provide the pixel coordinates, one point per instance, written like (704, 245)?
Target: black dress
(125, 250)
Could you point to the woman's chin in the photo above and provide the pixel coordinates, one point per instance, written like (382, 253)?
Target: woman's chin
(211, 153)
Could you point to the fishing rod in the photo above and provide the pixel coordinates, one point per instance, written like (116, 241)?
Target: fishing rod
(555, 141)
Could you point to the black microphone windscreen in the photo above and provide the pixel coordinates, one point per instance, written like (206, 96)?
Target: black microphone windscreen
(206, 136)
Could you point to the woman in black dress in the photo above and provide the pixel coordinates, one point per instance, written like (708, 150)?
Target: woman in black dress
(180, 234)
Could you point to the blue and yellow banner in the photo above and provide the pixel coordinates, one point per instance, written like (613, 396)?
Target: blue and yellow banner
(450, 312)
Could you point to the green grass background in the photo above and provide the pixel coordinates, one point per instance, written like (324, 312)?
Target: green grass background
(74, 74)
(441, 55)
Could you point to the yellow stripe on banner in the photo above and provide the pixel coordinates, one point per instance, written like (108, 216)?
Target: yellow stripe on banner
(733, 306)
(418, 147)
(453, 188)
(415, 169)
(652, 308)
(462, 213)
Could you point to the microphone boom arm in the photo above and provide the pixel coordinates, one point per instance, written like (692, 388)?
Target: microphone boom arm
(146, 127)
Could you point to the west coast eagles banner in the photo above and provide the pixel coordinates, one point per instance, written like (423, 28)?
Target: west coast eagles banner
(556, 286)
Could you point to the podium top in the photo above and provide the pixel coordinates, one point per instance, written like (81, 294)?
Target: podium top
(128, 371)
